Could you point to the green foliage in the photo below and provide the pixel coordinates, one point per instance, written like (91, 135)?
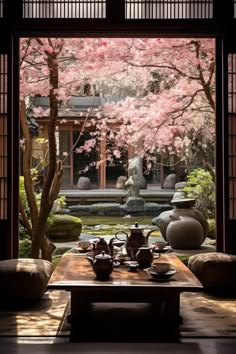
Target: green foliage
(50, 220)
(184, 259)
(60, 200)
(24, 248)
(212, 229)
(23, 195)
(55, 261)
(201, 187)
(22, 232)
(61, 203)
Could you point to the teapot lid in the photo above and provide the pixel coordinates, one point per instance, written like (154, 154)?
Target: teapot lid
(101, 241)
(103, 255)
(136, 227)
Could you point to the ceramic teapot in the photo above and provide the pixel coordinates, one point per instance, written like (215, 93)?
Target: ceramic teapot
(144, 256)
(135, 240)
(102, 266)
(102, 245)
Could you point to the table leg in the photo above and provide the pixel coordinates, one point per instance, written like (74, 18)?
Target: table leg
(79, 319)
(171, 307)
(167, 307)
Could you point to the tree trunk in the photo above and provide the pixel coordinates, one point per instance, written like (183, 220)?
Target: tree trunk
(40, 240)
(24, 219)
(27, 153)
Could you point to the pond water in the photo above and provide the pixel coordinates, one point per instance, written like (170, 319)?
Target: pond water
(108, 226)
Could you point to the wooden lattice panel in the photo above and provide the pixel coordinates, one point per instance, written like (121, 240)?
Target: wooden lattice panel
(3, 137)
(64, 9)
(232, 134)
(168, 9)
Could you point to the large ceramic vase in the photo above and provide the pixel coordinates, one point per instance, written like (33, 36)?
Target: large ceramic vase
(188, 227)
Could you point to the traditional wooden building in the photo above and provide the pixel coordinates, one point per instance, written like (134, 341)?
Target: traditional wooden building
(116, 18)
(70, 134)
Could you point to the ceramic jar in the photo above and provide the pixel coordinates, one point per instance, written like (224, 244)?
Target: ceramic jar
(184, 232)
(183, 208)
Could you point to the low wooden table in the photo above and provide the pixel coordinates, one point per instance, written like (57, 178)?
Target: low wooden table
(74, 273)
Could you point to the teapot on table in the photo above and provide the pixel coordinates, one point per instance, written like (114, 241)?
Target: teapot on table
(102, 266)
(135, 240)
(102, 245)
(103, 260)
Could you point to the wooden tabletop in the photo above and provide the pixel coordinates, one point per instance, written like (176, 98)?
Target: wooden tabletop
(75, 271)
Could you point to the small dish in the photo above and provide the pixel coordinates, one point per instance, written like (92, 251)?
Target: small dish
(116, 263)
(159, 246)
(161, 277)
(133, 265)
(123, 258)
(163, 250)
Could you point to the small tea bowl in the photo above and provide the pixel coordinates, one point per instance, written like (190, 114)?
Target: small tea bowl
(84, 246)
(133, 265)
(160, 245)
(161, 268)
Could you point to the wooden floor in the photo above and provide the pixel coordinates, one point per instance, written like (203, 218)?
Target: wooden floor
(47, 346)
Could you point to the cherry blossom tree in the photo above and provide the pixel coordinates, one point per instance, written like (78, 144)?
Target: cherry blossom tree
(174, 113)
(157, 94)
(39, 75)
(49, 67)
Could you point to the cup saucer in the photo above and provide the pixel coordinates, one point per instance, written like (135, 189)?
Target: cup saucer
(161, 276)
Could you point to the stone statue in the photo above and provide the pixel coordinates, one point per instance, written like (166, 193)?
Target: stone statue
(120, 183)
(133, 185)
(135, 166)
(134, 201)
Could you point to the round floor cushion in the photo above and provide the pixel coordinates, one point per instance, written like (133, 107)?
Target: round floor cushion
(24, 278)
(216, 271)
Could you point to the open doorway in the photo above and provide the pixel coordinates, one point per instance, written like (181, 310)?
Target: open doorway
(107, 101)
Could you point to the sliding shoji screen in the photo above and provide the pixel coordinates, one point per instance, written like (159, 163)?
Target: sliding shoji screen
(168, 9)
(91, 9)
(232, 134)
(3, 136)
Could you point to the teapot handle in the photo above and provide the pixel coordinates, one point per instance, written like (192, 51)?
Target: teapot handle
(149, 233)
(120, 232)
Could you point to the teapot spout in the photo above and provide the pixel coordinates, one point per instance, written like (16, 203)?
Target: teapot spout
(90, 259)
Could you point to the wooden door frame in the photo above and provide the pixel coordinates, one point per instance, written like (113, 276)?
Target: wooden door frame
(15, 27)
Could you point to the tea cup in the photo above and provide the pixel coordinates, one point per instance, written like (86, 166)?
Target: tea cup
(161, 268)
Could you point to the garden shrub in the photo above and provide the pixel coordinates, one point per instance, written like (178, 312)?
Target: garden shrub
(24, 248)
(61, 201)
(23, 195)
(184, 259)
(200, 186)
(212, 229)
